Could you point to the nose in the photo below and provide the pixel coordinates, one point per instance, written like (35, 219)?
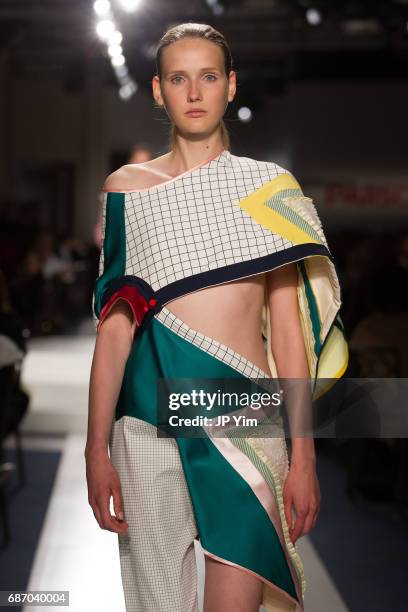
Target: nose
(194, 92)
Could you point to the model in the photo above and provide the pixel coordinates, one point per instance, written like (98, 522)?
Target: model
(207, 259)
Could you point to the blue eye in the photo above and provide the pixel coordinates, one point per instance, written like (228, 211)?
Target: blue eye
(179, 79)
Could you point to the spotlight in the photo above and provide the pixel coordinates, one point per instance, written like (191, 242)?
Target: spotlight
(244, 114)
(115, 38)
(101, 7)
(130, 5)
(107, 32)
(127, 90)
(117, 60)
(313, 16)
(105, 28)
(121, 71)
(114, 50)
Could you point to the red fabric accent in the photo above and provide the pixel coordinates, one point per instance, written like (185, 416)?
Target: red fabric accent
(135, 300)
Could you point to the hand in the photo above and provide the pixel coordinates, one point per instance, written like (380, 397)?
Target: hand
(103, 482)
(301, 489)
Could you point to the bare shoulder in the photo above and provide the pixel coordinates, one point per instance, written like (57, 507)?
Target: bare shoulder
(129, 176)
(136, 176)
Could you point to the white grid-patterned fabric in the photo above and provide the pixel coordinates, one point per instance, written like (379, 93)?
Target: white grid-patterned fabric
(194, 223)
(209, 345)
(218, 350)
(157, 555)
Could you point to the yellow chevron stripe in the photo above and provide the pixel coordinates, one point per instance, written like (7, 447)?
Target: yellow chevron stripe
(333, 362)
(281, 182)
(269, 218)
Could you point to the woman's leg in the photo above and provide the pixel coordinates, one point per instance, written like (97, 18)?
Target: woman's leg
(229, 589)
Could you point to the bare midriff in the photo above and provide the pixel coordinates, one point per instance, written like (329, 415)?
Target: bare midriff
(230, 314)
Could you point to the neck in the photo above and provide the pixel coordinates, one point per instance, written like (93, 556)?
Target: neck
(187, 154)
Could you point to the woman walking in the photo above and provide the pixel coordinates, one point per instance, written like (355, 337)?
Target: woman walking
(208, 259)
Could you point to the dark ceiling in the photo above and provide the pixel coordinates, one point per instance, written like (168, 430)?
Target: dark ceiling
(271, 40)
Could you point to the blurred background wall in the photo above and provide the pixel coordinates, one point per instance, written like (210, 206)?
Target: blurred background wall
(344, 130)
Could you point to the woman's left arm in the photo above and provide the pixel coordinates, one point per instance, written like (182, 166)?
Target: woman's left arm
(301, 489)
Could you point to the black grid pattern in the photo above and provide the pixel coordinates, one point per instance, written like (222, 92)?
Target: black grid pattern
(194, 223)
(209, 345)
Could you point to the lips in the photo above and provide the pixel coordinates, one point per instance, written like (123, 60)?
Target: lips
(196, 112)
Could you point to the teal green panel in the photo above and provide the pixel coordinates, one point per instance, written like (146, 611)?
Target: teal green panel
(160, 352)
(314, 313)
(114, 246)
(231, 521)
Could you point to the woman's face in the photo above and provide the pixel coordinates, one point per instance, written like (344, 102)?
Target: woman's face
(194, 88)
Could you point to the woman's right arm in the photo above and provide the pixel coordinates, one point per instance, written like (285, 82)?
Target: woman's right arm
(112, 348)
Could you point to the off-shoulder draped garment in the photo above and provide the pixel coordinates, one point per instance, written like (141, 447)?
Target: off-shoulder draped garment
(229, 218)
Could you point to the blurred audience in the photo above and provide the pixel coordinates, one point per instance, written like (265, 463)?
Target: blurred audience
(374, 274)
(14, 400)
(50, 277)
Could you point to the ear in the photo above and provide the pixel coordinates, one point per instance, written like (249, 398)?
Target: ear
(232, 85)
(156, 89)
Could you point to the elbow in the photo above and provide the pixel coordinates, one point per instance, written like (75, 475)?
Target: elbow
(117, 330)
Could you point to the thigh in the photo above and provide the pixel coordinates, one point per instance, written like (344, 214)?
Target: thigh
(157, 554)
(230, 589)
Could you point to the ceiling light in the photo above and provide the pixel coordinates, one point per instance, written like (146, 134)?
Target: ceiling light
(115, 38)
(130, 5)
(114, 50)
(101, 7)
(127, 90)
(121, 71)
(117, 60)
(313, 16)
(244, 114)
(105, 28)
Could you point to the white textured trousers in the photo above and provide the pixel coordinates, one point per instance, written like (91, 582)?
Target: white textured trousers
(157, 554)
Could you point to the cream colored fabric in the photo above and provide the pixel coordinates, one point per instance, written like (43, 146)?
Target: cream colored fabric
(157, 555)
